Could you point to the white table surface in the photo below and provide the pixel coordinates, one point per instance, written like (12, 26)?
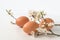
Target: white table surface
(9, 31)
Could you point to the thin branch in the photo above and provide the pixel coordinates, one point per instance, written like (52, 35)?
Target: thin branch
(56, 24)
(9, 12)
(12, 22)
(52, 34)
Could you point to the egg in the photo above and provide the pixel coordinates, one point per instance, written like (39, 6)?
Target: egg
(20, 21)
(47, 21)
(30, 26)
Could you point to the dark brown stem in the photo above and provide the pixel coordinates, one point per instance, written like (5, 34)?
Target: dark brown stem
(56, 24)
(12, 22)
(9, 12)
(42, 15)
(52, 33)
(38, 34)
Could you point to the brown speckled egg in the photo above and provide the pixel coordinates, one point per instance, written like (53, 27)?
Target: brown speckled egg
(30, 26)
(20, 21)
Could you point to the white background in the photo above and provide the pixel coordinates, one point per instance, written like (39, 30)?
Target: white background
(21, 7)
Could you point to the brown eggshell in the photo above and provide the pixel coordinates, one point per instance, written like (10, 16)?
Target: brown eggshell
(20, 21)
(47, 20)
(30, 26)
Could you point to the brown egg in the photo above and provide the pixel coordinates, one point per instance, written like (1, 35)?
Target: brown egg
(20, 21)
(47, 21)
(30, 26)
